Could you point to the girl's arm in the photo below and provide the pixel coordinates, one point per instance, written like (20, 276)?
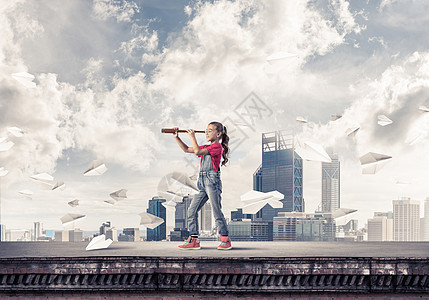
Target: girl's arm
(195, 148)
(182, 145)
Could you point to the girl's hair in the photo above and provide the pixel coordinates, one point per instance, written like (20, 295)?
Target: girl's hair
(225, 140)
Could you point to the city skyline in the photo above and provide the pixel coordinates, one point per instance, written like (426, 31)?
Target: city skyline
(110, 74)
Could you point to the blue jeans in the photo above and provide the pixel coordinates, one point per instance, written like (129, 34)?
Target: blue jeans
(210, 186)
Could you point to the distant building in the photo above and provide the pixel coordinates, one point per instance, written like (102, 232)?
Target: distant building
(179, 234)
(112, 233)
(331, 184)
(157, 209)
(205, 221)
(2, 233)
(104, 227)
(37, 231)
(284, 226)
(181, 214)
(380, 229)
(248, 230)
(75, 235)
(61, 236)
(425, 229)
(281, 170)
(406, 220)
(129, 235)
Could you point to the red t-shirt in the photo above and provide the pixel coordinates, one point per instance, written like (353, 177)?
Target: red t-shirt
(215, 151)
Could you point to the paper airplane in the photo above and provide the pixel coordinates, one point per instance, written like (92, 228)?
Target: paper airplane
(383, 120)
(301, 120)
(16, 131)
(95, 168)
(60, 186)
(6, 145)
(24, 78)
(70, 218)
(149, 220)
(119, 195)
(335, 117)
(174, 186)
(26, 193)
(402, 182)
(313, 151)
(423, 108)
(280, 56)
(110, 201)
(73, 203)
(373, 162)
(193, 177)
(3, 172)
(255, 200)
(43, 180)
(341, 212)
(99, 242)
(351, 132)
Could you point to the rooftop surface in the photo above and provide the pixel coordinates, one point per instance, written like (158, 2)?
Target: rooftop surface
(208, 249)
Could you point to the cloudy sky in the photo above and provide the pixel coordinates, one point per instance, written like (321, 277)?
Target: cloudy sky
(110, 74)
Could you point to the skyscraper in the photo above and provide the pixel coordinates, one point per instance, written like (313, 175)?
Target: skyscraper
(380, 229)
(206, 217)
(331, 184)
(157, 209)
(181, 214)
(37, 230)
(281, 170)
(406, 220)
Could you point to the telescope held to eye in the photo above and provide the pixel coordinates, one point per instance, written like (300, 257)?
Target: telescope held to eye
(171, 130)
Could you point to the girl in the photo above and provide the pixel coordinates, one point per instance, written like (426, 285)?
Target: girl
(209, 182)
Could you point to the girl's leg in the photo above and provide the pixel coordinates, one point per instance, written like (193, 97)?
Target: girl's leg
(215, 200)
(196, 204)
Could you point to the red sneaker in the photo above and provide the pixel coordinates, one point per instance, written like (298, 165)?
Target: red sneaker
(191, 244)
(225, 243)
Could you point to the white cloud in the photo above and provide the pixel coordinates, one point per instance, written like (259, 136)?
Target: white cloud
(122, 11)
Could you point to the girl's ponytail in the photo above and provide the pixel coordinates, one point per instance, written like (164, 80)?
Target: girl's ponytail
(224, 141)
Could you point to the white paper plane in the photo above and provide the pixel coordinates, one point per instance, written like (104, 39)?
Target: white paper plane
(70, 218)
(6, 145)
(43, 180)
(351, 132)
(149, 220)
(59, 186)
(423, 108)
(73, 203)
(110, 201)
(3, 171)
(313, 151)
(335, 117)
(174, 186)
(119, 195)
(373, 162)
(95, 168)
(301, 120)
(16, 131)
(254, 201)
(27, 193)
(383, 120)
(24, 78)
(99, 242)
(280, 56)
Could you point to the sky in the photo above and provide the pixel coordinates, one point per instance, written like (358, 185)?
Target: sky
(110, 74)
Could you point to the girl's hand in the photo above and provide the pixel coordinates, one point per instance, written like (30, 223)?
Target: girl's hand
(176, 134)
(191, 133)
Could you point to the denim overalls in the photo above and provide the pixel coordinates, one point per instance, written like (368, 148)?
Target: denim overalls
(210, 187)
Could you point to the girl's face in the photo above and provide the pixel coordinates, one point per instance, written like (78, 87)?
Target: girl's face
(212, 134)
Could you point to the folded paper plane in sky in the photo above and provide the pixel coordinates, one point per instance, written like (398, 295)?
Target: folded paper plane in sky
(301, 120)
(70, 218)
(5, 145)
(423, 108)
(24, 78)
(335, 117)
(43, 180)
(351, 132)
(149, 220)
(278, 56)
(59, 186)
(313, 151)
(16, 131)
(119, 195)
(373, 162)
(73, 203)
(95, 168)
(27, 193)
(383, 120)
(3, 172)
(110, 201)
(254, 201)
(174, 186)
(99, 242)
